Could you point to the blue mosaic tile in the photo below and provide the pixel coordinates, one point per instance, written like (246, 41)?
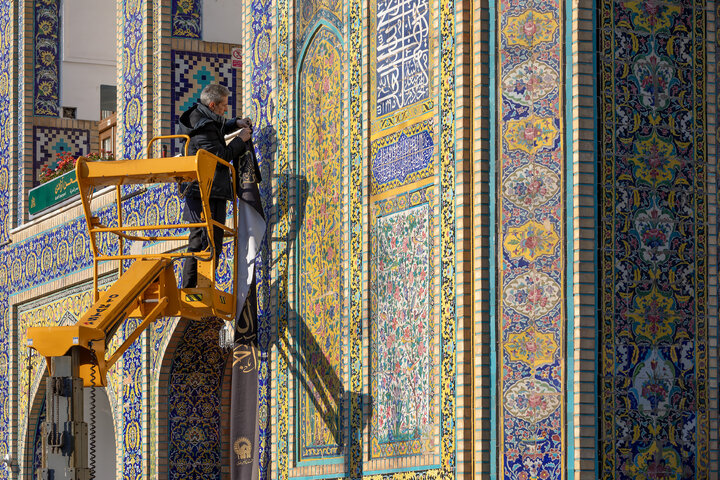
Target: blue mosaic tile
(261, 79)
(130, 91)
(194, 403)
(47, 57)
(187, 18)
(132, 405)
(5, 125)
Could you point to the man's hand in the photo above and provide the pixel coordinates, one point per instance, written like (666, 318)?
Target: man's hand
(245, 134)
(245, 123)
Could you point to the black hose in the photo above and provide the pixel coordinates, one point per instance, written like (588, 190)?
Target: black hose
(91, 440)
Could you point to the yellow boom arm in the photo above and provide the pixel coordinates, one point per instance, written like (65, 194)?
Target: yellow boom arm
(147, 289)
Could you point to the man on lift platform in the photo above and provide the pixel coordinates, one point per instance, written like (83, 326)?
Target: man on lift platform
(206, 126)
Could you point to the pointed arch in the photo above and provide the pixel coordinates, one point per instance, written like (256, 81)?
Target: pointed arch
(35, 414)
(191, 401)
(320, 359)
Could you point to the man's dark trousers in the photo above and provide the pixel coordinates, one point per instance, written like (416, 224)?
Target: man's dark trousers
(198, 240)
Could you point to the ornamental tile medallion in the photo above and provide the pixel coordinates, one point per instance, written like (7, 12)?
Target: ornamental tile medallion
(531, 347)
(532, 294)
(531, 185)
(654, 419)
(531, 240)
(532, 400)
(532, 134)
(530, 81)
(531, 258)
(530, 28)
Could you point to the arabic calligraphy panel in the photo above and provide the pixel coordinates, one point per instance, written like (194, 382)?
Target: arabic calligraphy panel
(402, 55)
(402, 157)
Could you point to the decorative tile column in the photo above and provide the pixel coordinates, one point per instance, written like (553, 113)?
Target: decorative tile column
(654, 376)
(531, 262)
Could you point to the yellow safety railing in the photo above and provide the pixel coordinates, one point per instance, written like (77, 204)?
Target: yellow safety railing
(147, 289)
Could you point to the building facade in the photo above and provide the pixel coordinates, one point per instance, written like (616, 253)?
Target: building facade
(492, 240)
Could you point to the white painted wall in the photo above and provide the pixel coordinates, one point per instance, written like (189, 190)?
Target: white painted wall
(221, 21)
(88, 54)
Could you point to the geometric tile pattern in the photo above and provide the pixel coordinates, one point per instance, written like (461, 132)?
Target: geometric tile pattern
(194, 403)
(47, 57)
(187, 18)
(401, 327)
(193, 71)
(321, 247)
(48, 142)
(531, 315)
(654, 377)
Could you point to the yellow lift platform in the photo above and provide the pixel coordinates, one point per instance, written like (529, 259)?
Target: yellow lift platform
(147, 289)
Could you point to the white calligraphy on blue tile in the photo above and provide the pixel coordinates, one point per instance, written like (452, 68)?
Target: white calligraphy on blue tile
(402, 54)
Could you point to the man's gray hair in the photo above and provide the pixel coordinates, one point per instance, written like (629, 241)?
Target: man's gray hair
(214, 93)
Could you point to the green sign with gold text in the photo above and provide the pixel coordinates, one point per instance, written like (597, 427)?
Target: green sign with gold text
(53, 192)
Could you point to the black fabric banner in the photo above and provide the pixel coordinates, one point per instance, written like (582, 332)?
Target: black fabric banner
(244, 396)
(244, 429)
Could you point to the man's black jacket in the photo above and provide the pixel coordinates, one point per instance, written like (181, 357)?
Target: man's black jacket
(207, 131)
